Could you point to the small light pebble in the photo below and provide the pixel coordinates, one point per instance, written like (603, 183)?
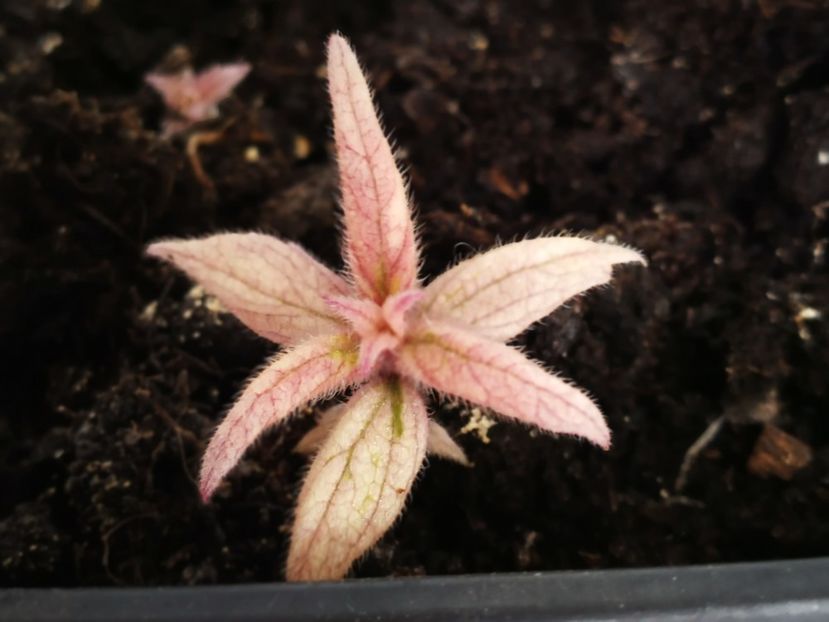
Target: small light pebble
(478, 42)
(808, 313)
(149, 311)
(49, 42)
(302, 147)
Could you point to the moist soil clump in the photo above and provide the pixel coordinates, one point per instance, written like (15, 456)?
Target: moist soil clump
(697, 132)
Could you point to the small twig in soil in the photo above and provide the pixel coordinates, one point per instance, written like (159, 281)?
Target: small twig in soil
(197, 362)
(110, 532)
(196, 140)
(106, 223)
(694, 451)
(683, 501)
(181, 434)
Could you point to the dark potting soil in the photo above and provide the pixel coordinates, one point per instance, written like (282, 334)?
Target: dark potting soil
(695, 131)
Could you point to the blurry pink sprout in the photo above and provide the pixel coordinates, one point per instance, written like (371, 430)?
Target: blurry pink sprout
(194, 97)
(378, 329)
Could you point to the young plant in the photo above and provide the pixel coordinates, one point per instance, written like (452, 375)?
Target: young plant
(194, 97)
(379, 329)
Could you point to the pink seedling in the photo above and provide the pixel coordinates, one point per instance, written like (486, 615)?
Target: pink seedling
(194, 97)
(378, 328)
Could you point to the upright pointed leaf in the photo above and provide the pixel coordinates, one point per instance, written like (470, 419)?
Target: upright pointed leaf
(380, 241)
(358, 481)
(309, 372)
(499, 377)
(276, 288)
(501, 292)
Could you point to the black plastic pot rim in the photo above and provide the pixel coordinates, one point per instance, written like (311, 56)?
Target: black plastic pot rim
(780, 590)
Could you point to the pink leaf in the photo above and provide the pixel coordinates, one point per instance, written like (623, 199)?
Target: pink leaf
(359, 481)
(276, 288)
(501, 292)
(501, 378)
(217, 82)
(380, 241)
(309, 372)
